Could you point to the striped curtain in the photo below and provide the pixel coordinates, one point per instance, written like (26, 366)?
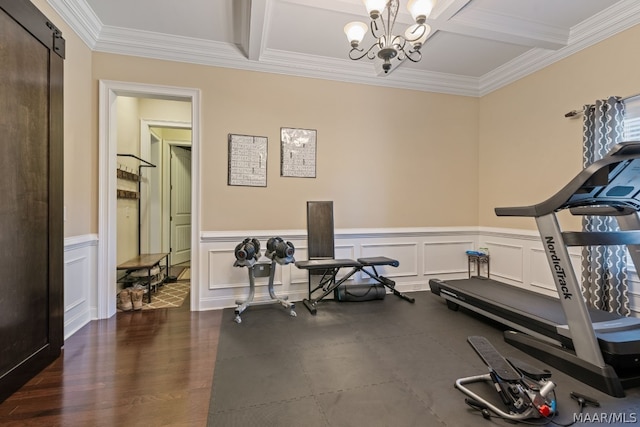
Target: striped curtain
(604, 272)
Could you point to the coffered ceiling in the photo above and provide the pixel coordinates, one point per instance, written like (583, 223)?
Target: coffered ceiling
(475, 46)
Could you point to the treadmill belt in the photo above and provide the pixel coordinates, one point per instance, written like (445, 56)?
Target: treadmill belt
(533, 305)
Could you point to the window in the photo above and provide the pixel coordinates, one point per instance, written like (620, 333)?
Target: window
(631, 133)
(632, 119)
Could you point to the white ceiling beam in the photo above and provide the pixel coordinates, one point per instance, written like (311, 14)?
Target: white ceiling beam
(257, 25)
(497, 35)
(241, 27)
(340, 6)
(252, 17)
(494, 26)
(444, 10)
(475, 22)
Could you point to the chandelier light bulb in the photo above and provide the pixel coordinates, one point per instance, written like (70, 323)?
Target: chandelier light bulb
(355, 32)
(420, 9)
(375, 7)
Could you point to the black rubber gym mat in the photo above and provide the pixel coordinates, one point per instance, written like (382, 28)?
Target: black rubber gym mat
(374, 363)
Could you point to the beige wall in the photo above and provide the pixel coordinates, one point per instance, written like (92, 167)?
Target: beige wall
(528, 149)
(165, 110)
(128, 113)
(172, 134)
(385, 156)
(80, 143)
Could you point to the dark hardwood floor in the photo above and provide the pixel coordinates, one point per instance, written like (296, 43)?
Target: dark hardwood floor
(144, 368)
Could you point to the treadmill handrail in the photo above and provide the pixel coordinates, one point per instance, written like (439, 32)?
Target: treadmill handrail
(622, 152)
(601, 238)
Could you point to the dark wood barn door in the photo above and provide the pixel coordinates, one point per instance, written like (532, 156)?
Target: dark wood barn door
(31, 235)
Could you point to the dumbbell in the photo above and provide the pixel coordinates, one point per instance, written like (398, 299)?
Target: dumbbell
(248, 249)
(285, 249)
(276, 247)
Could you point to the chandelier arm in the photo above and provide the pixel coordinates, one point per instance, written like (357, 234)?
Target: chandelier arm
(422, 32)
(399, 42)
(375, 31)
(388, 46)
(362, 53)
(413, 55)
(385, 23)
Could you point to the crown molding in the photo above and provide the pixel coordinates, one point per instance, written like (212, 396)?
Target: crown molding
(146, 44)
(349, 71)
(609, 22)
(81, 18)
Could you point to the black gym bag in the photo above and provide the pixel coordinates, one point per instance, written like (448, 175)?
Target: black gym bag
(357, 293)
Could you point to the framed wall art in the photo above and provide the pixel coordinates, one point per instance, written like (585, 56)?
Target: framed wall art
(247, 160)
(298, 152)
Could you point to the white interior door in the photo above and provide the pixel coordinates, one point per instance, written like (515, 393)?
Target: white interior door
(180, 195)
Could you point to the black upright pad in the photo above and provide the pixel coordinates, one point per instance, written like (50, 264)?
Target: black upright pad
(320, 233)
(493, 359)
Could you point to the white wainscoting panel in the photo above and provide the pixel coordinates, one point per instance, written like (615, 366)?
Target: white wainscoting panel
(529, 259)
(405, 251)
(80, 260)
(541, 276)
(234, 281)
(299, 276)
(224, 284)
(540, 273)
(506, 260)
(517, 258)
(222, 273)
(345, 251)
(446, 257)
(76, 294)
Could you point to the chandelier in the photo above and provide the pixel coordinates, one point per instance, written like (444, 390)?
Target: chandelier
(387, 45)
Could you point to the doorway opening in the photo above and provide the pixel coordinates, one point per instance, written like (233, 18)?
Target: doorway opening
(151, 214)
(165, 224)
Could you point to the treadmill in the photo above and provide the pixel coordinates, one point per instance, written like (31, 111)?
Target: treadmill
(599, 348)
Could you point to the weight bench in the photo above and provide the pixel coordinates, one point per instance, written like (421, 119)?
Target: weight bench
(330, 269)
(321, 248)
(385, 281)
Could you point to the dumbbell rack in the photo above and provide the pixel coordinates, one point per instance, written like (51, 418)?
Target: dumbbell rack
(243, 305)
